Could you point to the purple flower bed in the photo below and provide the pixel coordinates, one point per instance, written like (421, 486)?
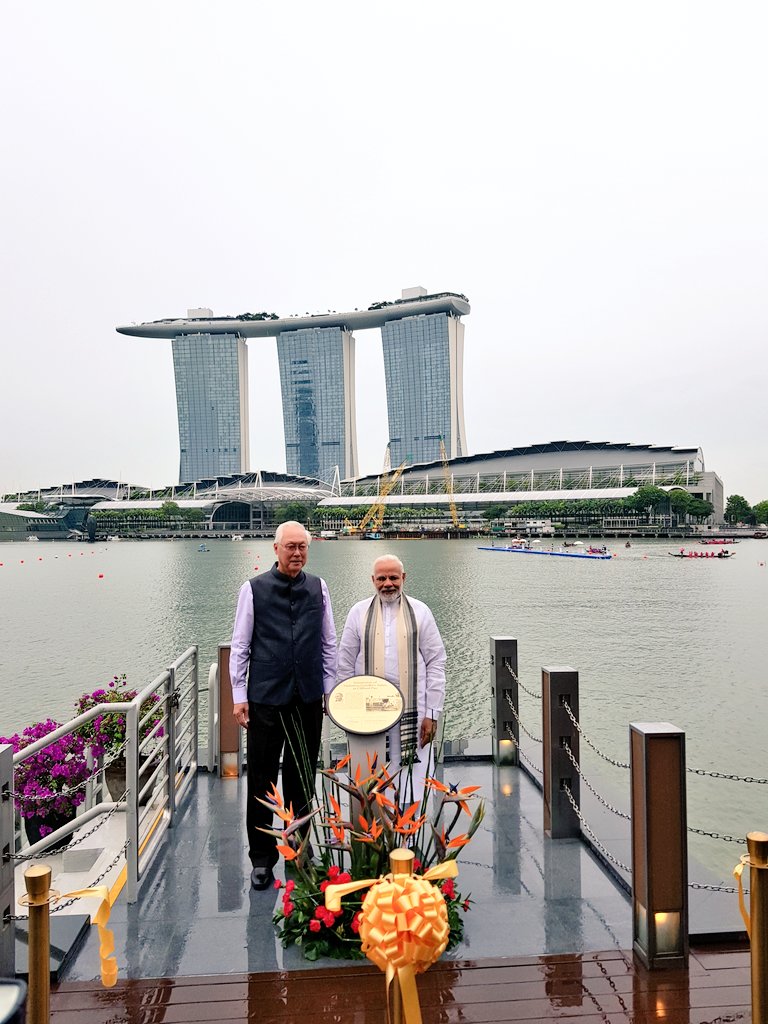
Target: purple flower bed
(45, 783)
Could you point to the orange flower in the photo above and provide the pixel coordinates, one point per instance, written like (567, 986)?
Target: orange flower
(343, 763)
(335, 805)
(287, 852)
(371, 831)
(458, 841)
(382, 801)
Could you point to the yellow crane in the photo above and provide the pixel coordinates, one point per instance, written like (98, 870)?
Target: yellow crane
(457, 525)
(374, 517)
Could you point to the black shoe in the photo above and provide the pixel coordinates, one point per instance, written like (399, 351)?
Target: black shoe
(262, 877)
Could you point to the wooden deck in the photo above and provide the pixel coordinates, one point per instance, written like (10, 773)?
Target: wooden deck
(595, 988)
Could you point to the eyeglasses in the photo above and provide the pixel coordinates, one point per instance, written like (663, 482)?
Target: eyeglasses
(295, 547)
(383, 579)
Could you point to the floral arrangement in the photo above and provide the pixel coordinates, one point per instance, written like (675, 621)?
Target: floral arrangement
(49, 783)
(106, 733)
(354, 850)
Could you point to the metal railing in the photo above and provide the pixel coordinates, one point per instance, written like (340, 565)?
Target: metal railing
(161, 757)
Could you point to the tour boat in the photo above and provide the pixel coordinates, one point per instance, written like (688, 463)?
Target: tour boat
(729, 540)
(602, 556)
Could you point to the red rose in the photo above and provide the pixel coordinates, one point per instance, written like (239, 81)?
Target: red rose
(324, 885)
(344, 876)
(315, 926)
(355, 925)
(288, 909)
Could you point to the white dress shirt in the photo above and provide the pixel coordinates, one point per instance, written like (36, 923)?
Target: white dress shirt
(430, 660)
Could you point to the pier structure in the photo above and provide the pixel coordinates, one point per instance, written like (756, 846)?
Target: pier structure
(558, 921)
(423, 339)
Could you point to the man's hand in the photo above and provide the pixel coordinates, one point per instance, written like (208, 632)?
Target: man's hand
(428, 731)
(240, 711)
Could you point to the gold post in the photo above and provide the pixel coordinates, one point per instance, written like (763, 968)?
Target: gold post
(400, 863)
(38, 898)
(757, 845)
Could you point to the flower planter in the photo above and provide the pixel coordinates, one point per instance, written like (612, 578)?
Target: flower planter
(114, 775)
(32, 827)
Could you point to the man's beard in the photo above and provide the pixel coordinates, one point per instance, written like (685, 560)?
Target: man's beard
(389, 598)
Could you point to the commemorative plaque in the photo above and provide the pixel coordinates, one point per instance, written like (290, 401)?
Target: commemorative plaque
(365, 705)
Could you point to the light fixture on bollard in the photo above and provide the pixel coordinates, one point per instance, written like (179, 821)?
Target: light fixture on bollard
(659, 845)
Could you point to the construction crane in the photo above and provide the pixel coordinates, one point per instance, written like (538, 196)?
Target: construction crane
(457, 525)
(374, 517)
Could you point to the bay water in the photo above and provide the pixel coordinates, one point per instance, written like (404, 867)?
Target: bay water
(655, 639)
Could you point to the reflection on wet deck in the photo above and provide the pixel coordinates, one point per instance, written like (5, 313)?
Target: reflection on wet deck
(594, 988)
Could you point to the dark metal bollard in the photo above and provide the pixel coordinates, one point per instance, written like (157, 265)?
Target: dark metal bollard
(7, 927)
(504, 689)
(559, 685)
(659, 845)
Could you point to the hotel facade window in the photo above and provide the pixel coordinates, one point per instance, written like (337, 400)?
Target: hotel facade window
(317, 381)
(211, 374)
(423, 367)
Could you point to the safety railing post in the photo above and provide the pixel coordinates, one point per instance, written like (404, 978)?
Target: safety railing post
(504, 689)
(172, 706)
(659, 845)
(132, 802)
(230, 733)
(37, 900)
(7, 927)
(757, 856)
(195, 697)
(560, 686)
(213, 717)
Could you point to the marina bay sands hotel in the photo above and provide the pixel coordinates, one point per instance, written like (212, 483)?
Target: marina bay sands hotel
(423, 341)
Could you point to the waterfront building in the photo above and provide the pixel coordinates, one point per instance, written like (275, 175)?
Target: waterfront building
(424, 374)
(211, 373)
(423, 365)
(556, 470)
(317, 382)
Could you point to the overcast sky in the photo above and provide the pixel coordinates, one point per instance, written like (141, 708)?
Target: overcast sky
(593, 176)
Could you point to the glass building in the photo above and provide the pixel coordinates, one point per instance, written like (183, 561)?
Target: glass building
(424, 370)
(211, 372)
(317, 380)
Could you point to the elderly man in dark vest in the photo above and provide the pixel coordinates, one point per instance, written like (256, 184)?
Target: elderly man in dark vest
(283, 660)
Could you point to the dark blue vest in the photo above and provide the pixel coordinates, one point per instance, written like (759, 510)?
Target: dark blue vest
(286, 646)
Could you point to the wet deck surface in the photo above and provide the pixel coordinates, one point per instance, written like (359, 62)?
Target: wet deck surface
(598, 988)
(197, 915)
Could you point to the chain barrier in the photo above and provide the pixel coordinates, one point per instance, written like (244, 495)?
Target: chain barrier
(20, 857)
(588, 741)
(591, 834)
(730, 778)
(591, 788)
(523, 754)
(513, 709)
(68, 903)
(716, 888)
(717, 835)
(531, 693)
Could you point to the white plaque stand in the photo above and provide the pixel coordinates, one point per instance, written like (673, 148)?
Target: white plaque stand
(366, 708)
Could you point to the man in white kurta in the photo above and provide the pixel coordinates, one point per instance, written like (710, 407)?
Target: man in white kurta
(388, 579)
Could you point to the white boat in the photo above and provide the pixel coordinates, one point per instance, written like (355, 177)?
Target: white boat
(236, 536)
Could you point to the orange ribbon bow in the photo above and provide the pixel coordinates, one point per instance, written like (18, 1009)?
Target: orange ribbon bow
(403, 927)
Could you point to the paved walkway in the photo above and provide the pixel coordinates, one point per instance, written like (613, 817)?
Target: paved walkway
(198, 916)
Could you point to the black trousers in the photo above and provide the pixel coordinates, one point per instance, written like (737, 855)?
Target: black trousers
(294, 731)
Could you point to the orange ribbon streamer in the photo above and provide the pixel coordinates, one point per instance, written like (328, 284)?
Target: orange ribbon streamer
(106, 937)
(403, 927)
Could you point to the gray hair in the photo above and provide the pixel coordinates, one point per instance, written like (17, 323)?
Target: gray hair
(292, 522)
(387, 558)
